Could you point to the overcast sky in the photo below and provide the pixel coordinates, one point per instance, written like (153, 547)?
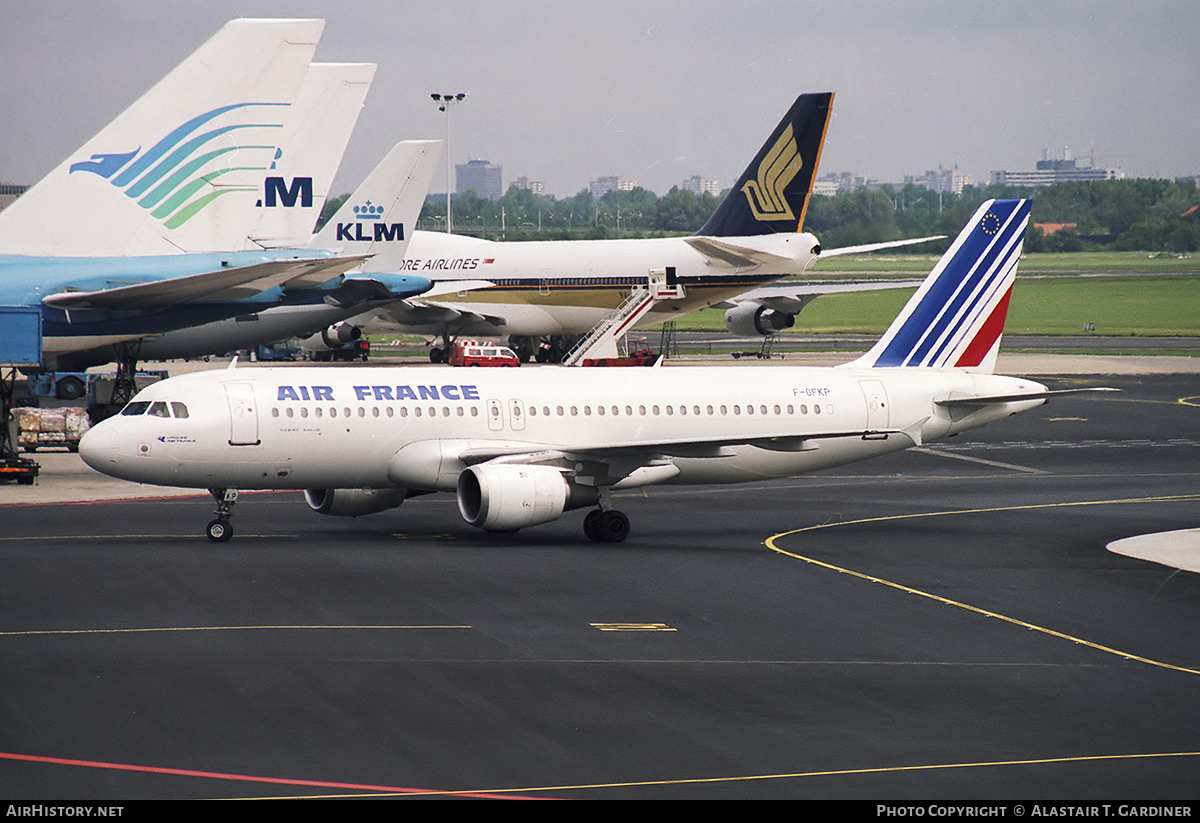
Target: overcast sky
(659, 90)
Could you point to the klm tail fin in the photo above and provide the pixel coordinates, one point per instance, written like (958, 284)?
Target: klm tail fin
(185, 164)
(380, 216)
(772, 194)
(955, 319)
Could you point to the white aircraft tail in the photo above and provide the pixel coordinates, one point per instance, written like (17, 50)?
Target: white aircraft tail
(183, 167)
(957, 315)
(309, 153)
(380, 216)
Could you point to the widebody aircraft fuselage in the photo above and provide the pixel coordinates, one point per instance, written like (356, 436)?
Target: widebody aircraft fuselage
(567, 286)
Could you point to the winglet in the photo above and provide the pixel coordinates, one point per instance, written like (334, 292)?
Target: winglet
(955, 319)
(772, 194)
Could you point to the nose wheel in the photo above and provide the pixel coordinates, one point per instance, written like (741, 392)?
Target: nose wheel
(221, 530)
(609, 526)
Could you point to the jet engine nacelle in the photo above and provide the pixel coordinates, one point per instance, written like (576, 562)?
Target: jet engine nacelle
(353, 502)
(505, 497)
(333, 337)
(753, 318)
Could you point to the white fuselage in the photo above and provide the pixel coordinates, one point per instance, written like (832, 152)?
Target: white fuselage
(567, 286)
(419, 428)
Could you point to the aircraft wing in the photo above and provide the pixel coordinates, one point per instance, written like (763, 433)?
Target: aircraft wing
(369, 288)
(610, 463)
(424, 311)
(444, 287)
(223, 284)
(790, 299)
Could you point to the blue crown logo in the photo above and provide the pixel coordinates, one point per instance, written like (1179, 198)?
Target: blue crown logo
(368, 211)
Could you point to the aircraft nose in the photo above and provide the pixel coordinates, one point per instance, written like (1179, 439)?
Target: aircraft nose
(98, 448)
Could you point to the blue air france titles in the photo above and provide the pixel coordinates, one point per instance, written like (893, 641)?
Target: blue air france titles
(380, 393)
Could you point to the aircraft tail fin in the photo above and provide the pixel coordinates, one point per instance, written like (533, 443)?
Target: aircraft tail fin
(772, 194)
(380, 216)
(182, 168)
(956, 317)
(309, 153)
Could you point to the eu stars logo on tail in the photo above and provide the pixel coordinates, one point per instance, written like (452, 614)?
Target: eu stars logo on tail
(955, 319)
(772, 194)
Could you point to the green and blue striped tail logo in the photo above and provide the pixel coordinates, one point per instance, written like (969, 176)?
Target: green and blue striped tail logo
(180, 174)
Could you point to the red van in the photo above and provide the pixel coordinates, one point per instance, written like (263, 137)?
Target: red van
(475, 353)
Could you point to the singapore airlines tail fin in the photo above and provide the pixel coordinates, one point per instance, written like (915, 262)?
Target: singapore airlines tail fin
(957, 315)
(185, 164)
(380, 216)
(772, 194)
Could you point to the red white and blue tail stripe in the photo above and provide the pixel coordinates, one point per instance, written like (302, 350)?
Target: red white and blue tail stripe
(956, 317)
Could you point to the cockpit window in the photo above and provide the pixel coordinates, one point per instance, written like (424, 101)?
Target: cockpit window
(158, 408)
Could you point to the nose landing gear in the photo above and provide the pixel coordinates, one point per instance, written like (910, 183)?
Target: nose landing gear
(221, 530)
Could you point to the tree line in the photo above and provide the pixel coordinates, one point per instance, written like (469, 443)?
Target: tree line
(1129, 215)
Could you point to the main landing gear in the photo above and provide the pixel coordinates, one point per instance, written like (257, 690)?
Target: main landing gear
(602, 526)
(221, 530)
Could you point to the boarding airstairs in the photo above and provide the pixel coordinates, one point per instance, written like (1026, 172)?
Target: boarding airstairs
(604, 338)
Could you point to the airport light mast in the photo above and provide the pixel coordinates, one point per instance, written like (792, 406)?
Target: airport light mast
(443, 102)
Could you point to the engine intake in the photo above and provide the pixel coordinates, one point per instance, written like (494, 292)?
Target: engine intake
(752, 318)
(504, 497)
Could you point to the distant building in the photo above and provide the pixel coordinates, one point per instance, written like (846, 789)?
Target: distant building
(535, 186)
(603, 185)
(942, 180)
(9, 193)
(1049, 172)
(482, 176)
(835, 181)
(700, 185)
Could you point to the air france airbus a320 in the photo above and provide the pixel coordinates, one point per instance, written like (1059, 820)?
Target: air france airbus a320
(521, 447)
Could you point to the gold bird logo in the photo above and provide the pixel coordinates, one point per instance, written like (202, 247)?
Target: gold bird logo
(782, 163)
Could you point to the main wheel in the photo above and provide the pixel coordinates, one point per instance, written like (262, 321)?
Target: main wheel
(70, 388)
(590, 527)
(219, 531)
(612, 526)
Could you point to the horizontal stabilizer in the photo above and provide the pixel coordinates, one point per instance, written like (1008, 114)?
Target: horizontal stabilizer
(1014, 398)
(731, 254)
(870, 247)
